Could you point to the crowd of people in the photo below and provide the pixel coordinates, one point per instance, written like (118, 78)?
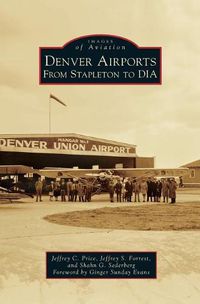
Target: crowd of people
(126, 190)
(150, 190)
(70, 190)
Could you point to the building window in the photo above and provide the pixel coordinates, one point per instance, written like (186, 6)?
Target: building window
(192, 173)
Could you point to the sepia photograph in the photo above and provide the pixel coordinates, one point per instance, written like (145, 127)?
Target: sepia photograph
(99, 152)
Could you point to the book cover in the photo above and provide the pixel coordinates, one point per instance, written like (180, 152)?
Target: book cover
(88, 86)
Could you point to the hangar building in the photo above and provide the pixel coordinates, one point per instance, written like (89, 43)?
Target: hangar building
(68, 151)
(193, 178)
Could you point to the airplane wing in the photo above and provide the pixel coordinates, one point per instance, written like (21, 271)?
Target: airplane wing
(151, 172)
(15, 169)
(2, 189)
(123, 172)
(92, 173)
(68, 173)
(7, 194)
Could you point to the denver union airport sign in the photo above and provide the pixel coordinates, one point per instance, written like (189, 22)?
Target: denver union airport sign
(100, 59)
(64, 145)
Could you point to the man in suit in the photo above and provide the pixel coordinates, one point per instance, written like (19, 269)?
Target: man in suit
(118, 190)
(129, 190)
(38, 188)
(172, 190)
(150, 189)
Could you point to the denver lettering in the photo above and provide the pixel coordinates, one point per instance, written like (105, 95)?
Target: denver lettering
(23, 143)
(61, 61)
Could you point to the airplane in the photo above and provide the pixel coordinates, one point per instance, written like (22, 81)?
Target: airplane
(98, 179)
(53, 172)
(112, 173)
(14, 192)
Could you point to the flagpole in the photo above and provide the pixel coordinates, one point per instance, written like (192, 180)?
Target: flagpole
(59, 101)
(49, 114)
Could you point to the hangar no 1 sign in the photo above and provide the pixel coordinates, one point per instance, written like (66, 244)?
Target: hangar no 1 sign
(100, 59)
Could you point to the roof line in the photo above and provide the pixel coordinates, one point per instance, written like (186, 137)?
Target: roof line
(66, 135)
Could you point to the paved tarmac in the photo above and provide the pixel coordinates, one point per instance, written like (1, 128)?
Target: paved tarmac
(25, 237)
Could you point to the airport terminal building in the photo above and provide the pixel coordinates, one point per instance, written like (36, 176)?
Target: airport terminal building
(68, 151)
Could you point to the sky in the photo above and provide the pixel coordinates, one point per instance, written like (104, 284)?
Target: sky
(163, 121)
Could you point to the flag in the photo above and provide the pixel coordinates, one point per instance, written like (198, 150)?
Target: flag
(57, 99)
